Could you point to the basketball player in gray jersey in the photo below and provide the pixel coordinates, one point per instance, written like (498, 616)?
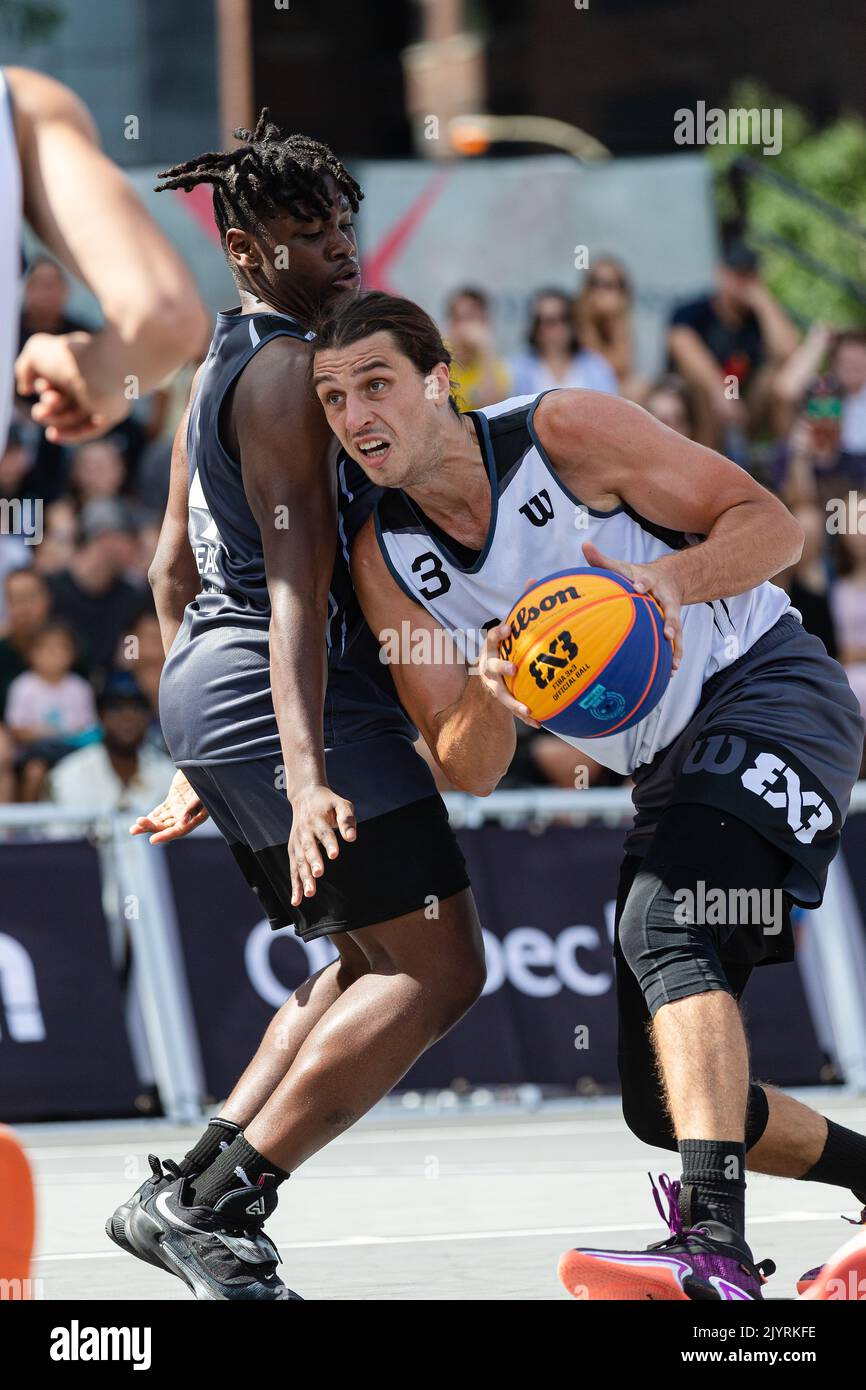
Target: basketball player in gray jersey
(742, 772)
(286, 729)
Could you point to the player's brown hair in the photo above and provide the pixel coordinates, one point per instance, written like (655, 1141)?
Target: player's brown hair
(349, 320)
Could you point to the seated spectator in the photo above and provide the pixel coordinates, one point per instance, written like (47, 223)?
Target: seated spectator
(832, 401)
(60, 537)
(555, 356)
(739, 335)
(603, 319)
(122, 772)
(141, 655)
(43, 305)
(550, 761)
(49, 709)
(669, 400)
(807, 583)
(16, 463)
(99, 473)
(806, 467)
(22, 518)
(98, 470)
(43, 310)
(28, 607)
(93, 595)
(479, 376)
(848, 365)
(848, 601)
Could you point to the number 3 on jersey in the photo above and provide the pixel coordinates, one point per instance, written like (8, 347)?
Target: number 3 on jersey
(433, 581)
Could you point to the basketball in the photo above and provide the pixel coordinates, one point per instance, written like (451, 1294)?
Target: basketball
(590, 651)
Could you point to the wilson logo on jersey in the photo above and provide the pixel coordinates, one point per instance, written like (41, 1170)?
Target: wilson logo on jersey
(539, 509)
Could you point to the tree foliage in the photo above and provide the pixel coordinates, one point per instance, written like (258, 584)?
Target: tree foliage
(826, 160)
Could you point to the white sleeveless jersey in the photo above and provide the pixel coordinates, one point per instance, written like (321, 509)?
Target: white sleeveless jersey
(10, 253)
(536, 528)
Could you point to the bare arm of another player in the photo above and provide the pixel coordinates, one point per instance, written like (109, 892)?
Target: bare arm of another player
(284, 441)
(85, 211)
(469, 732)
(175, 582)
(607, 450)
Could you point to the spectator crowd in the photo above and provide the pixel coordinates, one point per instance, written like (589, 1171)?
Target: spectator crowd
(80, 647)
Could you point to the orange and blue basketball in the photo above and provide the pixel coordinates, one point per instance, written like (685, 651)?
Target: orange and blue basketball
(591, 654)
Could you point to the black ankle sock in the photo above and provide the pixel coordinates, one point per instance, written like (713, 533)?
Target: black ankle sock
(218, 1135)
(843, 1161)
(714, 1182)
(240, 1165)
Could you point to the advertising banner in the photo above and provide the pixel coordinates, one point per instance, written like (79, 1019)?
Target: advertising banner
(64, 1050)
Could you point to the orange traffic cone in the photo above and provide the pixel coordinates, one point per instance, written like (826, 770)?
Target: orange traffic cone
(17, 1218)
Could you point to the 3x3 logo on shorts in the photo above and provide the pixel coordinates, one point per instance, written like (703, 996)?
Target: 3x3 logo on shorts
(769, 777)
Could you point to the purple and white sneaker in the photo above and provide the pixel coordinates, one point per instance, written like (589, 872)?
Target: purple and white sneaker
(706, 1261)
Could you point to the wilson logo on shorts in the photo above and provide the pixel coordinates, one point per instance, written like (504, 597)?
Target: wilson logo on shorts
(806, 811)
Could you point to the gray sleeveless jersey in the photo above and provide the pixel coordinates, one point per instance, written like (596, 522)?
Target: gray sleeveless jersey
(215, 695)
(538, 527)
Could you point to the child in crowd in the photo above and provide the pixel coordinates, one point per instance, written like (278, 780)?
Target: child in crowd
(49, 703)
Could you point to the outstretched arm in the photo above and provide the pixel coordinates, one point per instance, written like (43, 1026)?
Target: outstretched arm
(85, 211)
(469, 732)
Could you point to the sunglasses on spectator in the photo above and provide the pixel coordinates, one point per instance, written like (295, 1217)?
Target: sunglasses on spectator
(605, 282)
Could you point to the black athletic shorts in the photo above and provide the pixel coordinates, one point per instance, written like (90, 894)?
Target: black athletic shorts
(404, 856)
(401, 862)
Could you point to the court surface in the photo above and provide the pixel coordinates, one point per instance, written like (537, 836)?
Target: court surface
(476, 1204)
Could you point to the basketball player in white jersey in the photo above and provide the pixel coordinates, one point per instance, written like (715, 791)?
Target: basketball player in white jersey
(53, 174)
(742, 772)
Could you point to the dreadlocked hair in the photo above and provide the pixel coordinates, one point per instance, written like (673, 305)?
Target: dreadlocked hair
(270, 173)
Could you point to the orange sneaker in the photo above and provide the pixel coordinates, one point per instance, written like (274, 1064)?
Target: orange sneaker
(707, 1261)
(17, 1218)
(843, 1277)
(805, 1281)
